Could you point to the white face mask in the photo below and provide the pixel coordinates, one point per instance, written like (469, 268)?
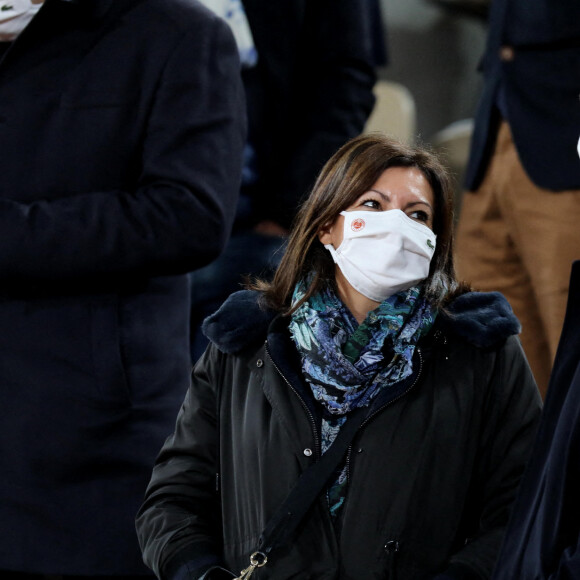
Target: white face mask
(383, 252)
(15, 16)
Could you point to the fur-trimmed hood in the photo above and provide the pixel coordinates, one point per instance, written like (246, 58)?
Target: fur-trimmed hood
(484, 319)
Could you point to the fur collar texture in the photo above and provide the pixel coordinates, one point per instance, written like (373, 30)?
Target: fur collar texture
(484, 319)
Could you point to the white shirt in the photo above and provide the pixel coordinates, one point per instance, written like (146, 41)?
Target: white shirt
(232, 11)
(15, 16)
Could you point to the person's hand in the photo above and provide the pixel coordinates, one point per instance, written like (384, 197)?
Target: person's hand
(270, 228)
(219, 574)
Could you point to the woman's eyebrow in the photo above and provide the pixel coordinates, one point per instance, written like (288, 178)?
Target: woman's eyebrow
(410, 204)
(383, 195)
(419, 202)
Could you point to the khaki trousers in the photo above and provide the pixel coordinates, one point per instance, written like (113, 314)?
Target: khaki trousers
(521, 240)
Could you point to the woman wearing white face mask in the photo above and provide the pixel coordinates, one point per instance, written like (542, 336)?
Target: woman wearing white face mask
(362, 416)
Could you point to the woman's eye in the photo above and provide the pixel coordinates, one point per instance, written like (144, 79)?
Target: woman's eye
(420, 216)
(372, 203)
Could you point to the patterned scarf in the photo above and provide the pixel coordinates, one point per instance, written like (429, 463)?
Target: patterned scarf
(347, 366)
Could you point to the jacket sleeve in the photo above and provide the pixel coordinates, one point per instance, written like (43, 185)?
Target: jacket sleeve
(569, 563)
(178, 525)
(332, 98)
(177, 215)
(511, 415)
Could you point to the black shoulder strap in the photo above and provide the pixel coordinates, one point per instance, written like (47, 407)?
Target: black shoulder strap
(281, 527)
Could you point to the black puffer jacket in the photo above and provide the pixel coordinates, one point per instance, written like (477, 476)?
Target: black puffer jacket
(432, 472)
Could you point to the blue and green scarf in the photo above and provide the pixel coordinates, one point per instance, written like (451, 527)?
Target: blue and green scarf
(346, 364)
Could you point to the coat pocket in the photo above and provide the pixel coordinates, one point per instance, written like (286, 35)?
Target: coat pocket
(63, 350)
(107, 350)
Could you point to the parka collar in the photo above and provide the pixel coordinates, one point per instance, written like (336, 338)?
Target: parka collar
(484, 319)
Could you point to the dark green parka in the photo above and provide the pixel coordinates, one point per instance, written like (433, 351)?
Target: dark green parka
(432, 472)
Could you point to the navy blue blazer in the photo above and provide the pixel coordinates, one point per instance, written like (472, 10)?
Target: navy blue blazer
(121, 138)
(543, 537)
(540, 77)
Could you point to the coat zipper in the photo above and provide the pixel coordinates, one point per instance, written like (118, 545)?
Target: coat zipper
(380, 410)
(302, 402)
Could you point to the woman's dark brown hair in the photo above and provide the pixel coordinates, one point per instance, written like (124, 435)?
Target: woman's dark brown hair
(349, 173)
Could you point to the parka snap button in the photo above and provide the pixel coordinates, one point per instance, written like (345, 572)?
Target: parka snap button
(259, 363)
(308, 452)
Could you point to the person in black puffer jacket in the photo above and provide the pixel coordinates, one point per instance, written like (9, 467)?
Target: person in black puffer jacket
(364, 315)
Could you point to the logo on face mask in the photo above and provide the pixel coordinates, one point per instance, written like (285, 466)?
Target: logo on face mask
(357, 225)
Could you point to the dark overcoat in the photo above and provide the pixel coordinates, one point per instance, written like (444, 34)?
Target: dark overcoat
(121, 132)
(543, 538)
(533, 53)
(431, 472)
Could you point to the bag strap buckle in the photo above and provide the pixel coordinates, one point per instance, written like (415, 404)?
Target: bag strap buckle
(257, 560)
